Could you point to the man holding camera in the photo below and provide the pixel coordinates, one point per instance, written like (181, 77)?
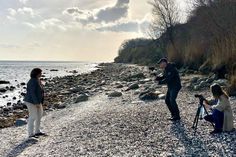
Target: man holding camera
(172, 79)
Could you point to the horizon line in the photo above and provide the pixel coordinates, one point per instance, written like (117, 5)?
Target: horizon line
(51, 61)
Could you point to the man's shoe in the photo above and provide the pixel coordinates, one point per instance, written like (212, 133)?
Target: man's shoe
(216, 131)
(174, 119)
(40, 134)
(32, 136)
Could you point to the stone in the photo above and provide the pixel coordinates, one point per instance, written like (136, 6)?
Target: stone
(23, 84)
(6, 122)
(203, 84)
(196, 87)
(115, 94)
(54, 70)
(161, 96)
(18, 106)
(210, 80)
(222, 82)
(103, 82)
(148, 95)
(145, 80)
(133, 86)
(231, 90)
(12, 88)
(77, 89)
(4, 82)
(81, 98)
(138, 75)
(61, 106)
(65, 92)
(133, 77)
(158, 92)
(3, 90)
(194, 80)
(22, 94)
(74, 71)
(119, 86)
(20, 122)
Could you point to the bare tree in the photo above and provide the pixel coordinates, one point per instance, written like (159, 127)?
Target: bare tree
(165, 17)
(165, 14)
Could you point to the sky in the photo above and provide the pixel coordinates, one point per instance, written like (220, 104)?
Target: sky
(70, 30)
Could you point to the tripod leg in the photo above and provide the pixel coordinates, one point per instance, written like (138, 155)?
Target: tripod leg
(208, 114)
(195, 123)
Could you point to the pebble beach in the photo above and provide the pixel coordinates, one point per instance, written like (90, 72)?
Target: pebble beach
(101, 113)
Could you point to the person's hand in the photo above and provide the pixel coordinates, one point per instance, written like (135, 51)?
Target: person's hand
(38, 106)
(205, 103)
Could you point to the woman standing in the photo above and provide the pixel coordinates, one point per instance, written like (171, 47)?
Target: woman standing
(222, 115)
(34, 100)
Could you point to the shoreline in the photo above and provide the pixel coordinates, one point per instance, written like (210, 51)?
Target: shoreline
(13, 93)
(61, 92)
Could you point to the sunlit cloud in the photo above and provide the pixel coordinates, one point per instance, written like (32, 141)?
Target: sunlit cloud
(23, 1)
(11, 11)
(105, 14)
(109, 18)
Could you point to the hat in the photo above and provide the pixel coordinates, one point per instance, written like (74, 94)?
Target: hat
(162, 60)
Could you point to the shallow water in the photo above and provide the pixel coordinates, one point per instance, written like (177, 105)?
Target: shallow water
(17, 72)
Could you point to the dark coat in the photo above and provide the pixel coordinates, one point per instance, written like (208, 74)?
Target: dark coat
(34, 92)
(170, 77)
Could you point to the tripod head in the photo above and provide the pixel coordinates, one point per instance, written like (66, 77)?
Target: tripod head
(201, 98)
(200, 107)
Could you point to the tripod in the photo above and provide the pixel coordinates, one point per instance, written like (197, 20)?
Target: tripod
(200, 106)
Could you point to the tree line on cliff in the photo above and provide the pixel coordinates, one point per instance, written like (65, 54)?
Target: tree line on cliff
(206, 41)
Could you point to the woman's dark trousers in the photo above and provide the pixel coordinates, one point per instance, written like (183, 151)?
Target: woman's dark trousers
(217, 117)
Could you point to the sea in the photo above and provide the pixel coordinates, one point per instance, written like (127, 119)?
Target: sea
(18, 72)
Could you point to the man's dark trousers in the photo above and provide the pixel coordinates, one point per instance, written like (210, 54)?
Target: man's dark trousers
(171, 102)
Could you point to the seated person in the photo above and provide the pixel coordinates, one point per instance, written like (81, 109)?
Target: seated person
(222, 115)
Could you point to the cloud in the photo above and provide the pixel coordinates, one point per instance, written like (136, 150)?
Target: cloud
(8, 46)
(52, 22)
(74, 11)
(114, 13)
(29, 25)
(131, 26)
(111, 17)
(11, 11)
(26, 11)
(23, 1)
(127, 26)
(106, 14)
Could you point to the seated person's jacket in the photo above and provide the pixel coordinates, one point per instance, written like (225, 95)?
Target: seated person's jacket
(223, 105)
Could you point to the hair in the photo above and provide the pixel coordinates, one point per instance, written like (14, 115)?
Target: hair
(35, 72)
(217, 91)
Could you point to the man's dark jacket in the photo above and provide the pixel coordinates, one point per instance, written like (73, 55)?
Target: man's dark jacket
(170, 77)
(34, 93)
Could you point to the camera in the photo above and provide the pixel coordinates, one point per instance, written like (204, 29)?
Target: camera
(199, 96)
(151, 68)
